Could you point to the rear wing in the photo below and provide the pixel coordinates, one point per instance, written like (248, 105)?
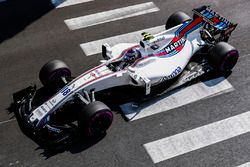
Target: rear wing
(214, 19)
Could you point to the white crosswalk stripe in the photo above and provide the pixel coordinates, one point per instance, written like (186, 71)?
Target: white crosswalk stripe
(200, 137)
(111, 15)
(10, 120)
(245, 165)
(180, 98)
(65, 3)
(94, 47)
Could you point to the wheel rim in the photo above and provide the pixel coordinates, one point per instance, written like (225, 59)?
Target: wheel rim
(100, 122)
(229, 61)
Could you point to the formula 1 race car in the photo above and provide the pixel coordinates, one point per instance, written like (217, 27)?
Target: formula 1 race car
(186, 50)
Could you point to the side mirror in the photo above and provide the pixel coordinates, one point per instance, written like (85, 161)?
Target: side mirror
(106, 51)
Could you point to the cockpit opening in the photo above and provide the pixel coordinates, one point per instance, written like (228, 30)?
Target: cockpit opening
(128, 58)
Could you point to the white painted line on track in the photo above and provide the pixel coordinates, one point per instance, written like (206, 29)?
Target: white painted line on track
(197, 138)
(65, 3)
(245, 165)
(94, 47)
(177, 98)
(3, 122)
(243, 56)
(111, 15)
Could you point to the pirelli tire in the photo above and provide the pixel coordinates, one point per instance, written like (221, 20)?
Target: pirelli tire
(52, 71)
(223, 57)
(95, 118)
(176, 19)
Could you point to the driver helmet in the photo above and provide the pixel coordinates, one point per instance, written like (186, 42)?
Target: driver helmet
(132, 55)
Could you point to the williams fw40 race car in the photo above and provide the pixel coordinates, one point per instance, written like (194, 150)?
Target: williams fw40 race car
(188, 49)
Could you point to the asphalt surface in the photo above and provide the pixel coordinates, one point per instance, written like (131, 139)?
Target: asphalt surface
(38, 39)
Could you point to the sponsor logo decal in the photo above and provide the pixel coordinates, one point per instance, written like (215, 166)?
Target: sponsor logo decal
(175, 45)
(219, 21)
(92, 75)
(65, 91)
(172, 75)
(98, 72)
(193, 76)
(44, 110)
(39, 112)
(54, 129)
(47, 105)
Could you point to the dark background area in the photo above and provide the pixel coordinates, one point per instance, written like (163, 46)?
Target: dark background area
(15, 15)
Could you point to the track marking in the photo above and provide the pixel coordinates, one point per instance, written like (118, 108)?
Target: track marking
(245, 165)
(197, 138)
(65, 3)
(10, 120)
(243, 56)
(111, 15)
(94, 47)
(176, 99)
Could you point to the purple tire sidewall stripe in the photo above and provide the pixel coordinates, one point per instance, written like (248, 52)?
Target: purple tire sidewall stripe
(231, 53)
(59, 71)
(101, 113)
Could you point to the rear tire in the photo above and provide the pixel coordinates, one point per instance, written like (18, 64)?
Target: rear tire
(223, 57)
(95, 118)
(176, 19)
(52, 71)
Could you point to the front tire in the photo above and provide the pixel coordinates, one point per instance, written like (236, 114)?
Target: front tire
(52, 71)
(223, 57)
(176, 19)
(95, 118)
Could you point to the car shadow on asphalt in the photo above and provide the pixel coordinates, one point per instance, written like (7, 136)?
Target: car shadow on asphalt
(78, 146)
(130, 109)
(15, 15)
